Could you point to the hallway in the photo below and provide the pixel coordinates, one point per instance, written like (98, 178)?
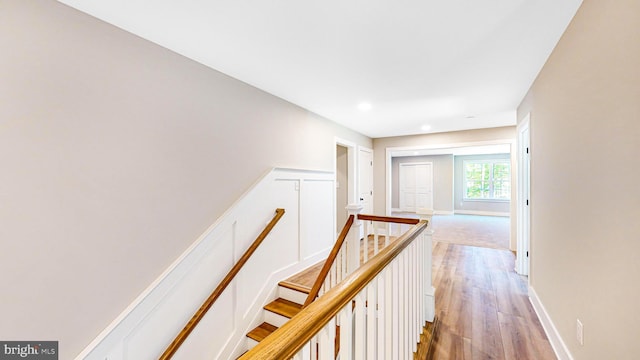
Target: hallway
(481, 302)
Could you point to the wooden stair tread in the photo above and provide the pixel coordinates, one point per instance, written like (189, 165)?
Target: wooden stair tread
(262, 331)
(284, 307)
(304, 279)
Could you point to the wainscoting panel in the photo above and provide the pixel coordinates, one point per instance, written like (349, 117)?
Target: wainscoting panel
(303, 237)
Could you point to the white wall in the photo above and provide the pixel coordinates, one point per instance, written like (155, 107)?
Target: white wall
(585, 141)
(116, 155)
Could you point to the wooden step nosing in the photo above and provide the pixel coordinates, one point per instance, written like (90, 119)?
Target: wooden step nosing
(296, 287)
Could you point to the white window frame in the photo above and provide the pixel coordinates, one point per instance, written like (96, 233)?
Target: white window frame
(491, 182)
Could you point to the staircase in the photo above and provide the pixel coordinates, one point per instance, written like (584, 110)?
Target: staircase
(291, 295)
(293, 292)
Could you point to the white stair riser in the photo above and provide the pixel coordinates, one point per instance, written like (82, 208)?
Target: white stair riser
(292, 295)
(251, 343)
(275, 319)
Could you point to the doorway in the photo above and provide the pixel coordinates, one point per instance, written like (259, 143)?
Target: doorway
(345, 183)
(342, 184)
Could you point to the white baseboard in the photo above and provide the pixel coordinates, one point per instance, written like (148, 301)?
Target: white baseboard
(435, 212)
(559, 347)
(482, 213)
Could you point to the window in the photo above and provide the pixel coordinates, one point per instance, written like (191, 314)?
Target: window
(487, 179)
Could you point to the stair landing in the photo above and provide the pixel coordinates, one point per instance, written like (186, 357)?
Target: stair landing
(303, 281)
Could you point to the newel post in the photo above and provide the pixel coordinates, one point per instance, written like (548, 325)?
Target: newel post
(353, 239)
(429, 290)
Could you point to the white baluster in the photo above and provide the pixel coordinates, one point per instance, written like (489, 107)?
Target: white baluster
(343, 261)
(304, 353)
(387, 234)
(395, 318)
(411, 298)
(346, 332)
(420, 271)
(371, 319)
(402, 335)
(388, 312)
(375, 239)
(360, 335)
(327, 340)
(353, 239)
(381, 311)
(333, 274)
(365, 242)
(417, 294)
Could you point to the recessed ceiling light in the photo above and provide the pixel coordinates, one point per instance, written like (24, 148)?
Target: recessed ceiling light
(365, 106)
(426, 127)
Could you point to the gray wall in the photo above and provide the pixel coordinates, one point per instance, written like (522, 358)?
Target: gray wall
(585, 141)
(484, 205)
(116, 155)
(442, 180)
(466, 137)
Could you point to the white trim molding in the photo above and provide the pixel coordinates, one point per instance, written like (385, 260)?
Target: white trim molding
(559, 347)
(482, 213)
(397, 211)
(303, 237)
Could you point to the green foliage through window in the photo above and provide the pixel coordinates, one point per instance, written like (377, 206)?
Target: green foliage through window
(487, 179)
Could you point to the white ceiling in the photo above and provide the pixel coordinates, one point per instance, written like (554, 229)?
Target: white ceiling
(448, 64)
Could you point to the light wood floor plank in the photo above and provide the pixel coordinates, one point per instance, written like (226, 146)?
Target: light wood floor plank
(483, 307)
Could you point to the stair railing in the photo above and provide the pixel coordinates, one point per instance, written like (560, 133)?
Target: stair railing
(374, 233)
(338, 270)
(380, 309)
(338, 248)
(208, 303)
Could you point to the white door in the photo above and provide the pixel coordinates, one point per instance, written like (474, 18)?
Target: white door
(416, 186)
(524, 212)
(365, 180)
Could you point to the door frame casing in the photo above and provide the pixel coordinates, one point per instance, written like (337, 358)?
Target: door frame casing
(352, 163)
(523, 195)
(359, 168)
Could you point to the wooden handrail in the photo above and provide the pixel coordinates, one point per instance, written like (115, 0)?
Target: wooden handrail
(195, 319)
(315, 289)
(291, 337)
(391, 219)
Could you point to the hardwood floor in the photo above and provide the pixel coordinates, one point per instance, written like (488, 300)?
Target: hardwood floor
(483, 307)
(481, 303)
(485, 231)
